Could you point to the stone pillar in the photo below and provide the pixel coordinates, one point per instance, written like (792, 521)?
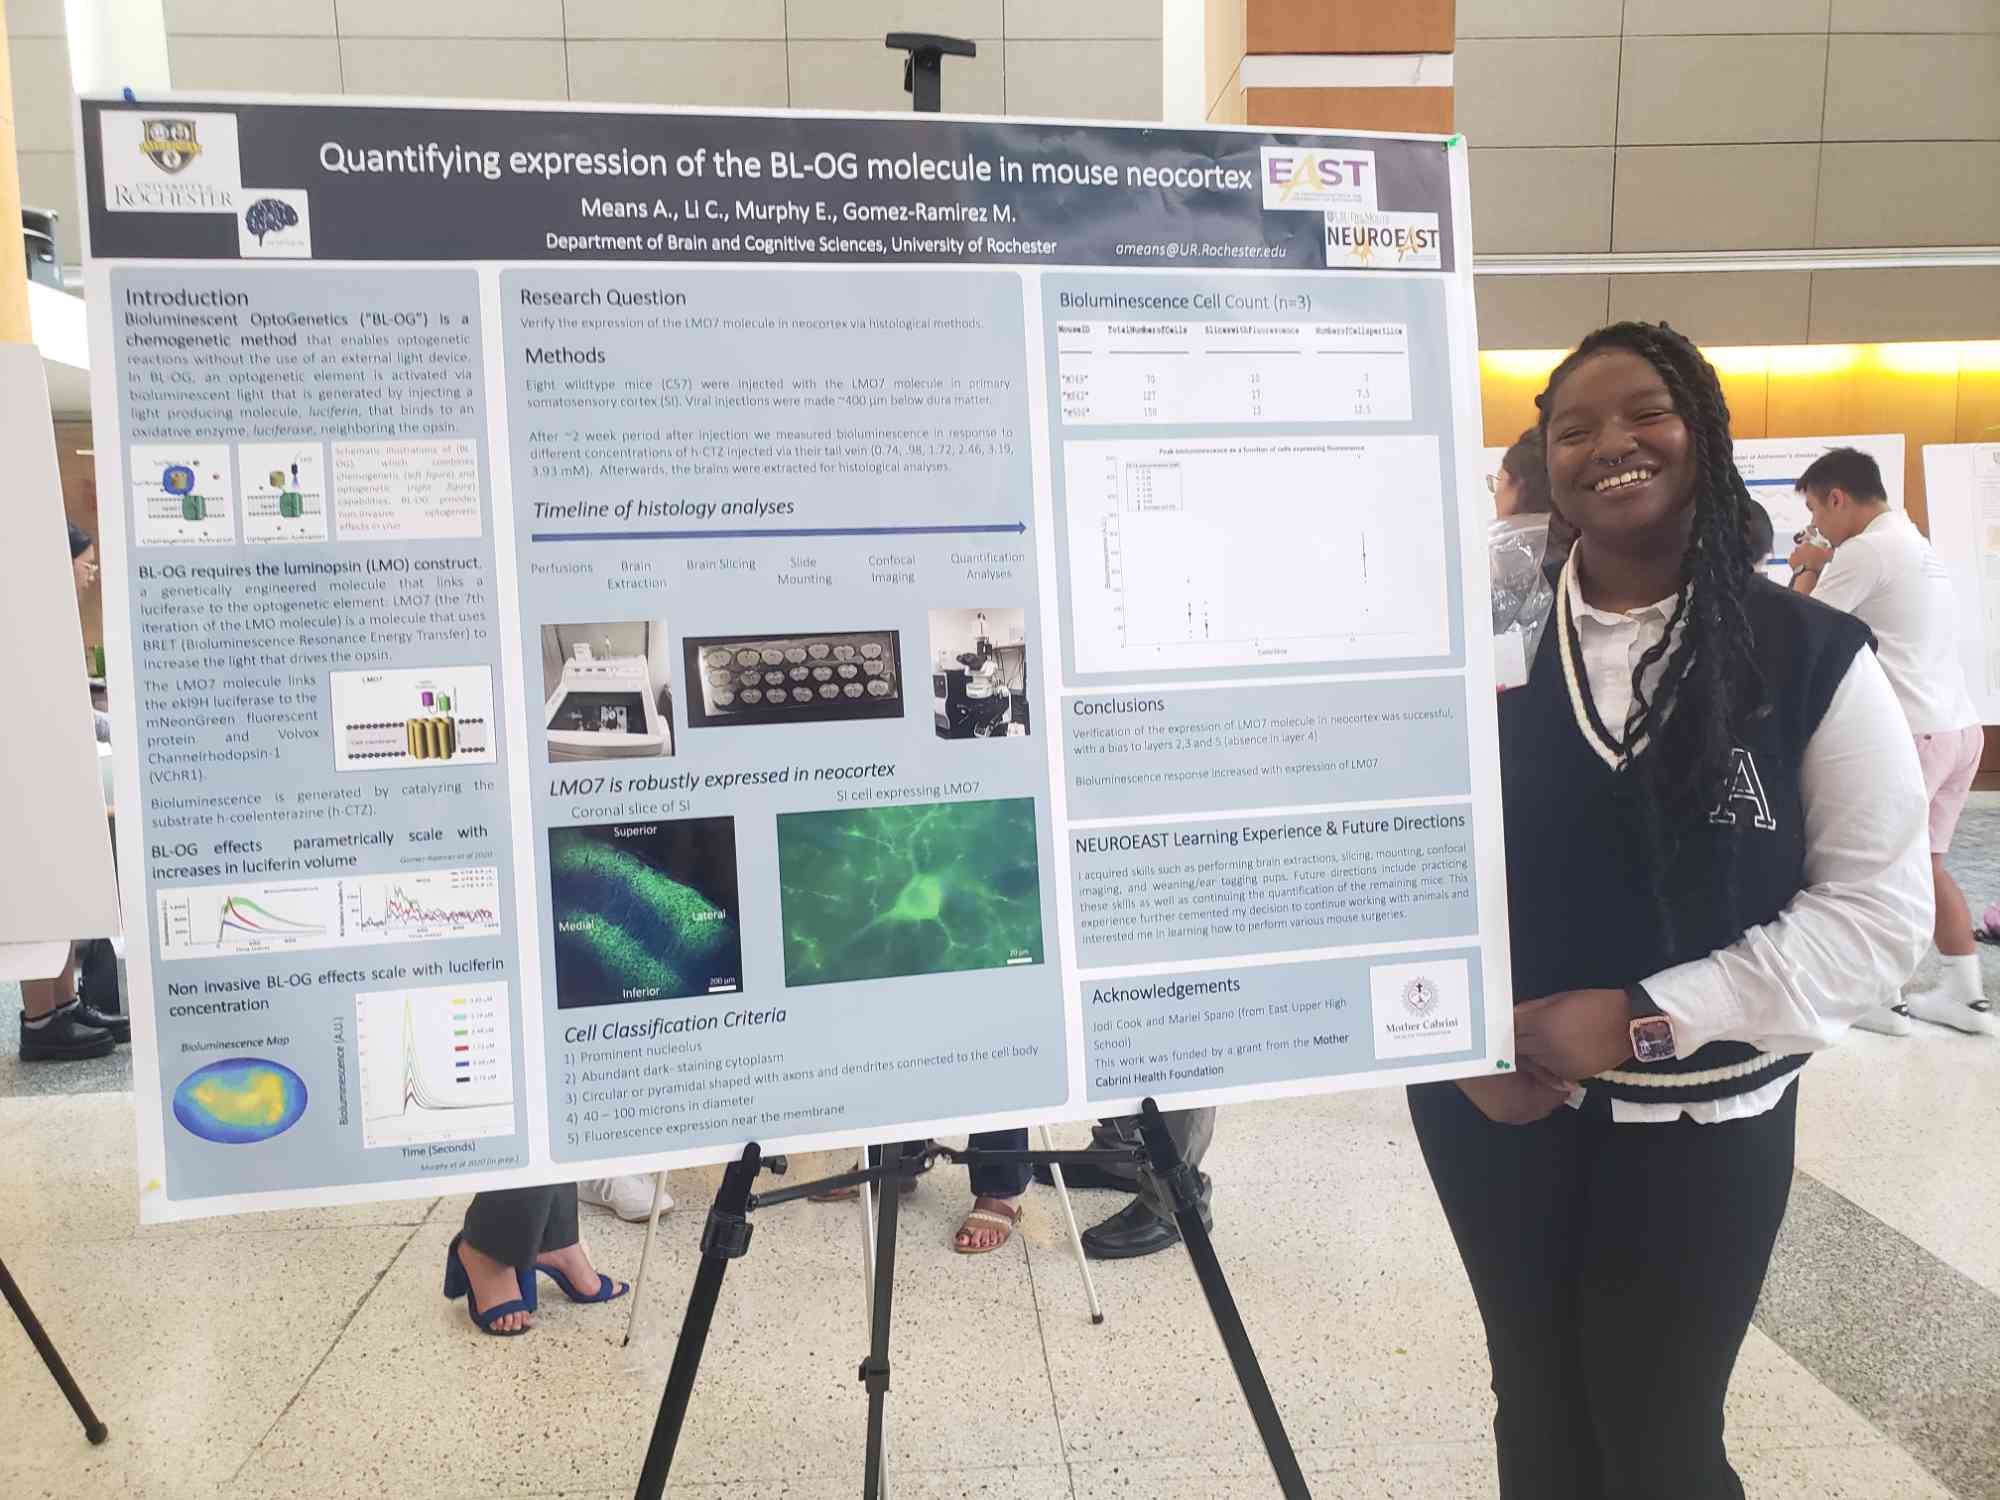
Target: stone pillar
(1330, 64)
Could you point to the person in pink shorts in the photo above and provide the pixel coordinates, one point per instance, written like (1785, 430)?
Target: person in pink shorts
(1881, 569)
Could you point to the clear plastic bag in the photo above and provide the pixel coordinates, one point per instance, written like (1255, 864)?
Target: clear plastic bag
(1522, 594)
(1515, 548)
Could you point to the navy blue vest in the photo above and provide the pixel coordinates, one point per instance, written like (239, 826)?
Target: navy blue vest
(1580, 904)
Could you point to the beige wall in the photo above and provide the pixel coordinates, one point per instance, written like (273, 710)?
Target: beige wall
(1093, 58)
(1715, 125)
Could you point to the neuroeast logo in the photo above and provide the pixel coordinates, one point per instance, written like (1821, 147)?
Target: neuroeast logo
(1299, 177)
(169, 144)
(273, 222)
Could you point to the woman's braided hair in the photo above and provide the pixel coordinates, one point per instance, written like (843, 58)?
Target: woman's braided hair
(1711, 684)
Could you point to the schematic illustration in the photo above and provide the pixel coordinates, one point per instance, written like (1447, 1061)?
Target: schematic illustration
(284, 491)
(182, 495)
(417, 716)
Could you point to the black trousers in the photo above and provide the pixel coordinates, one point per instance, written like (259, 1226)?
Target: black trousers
(514, 1225)
(1616, 1268)
(1191, 1131)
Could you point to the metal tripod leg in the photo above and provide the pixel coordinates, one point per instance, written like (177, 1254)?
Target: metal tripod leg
(723, 1238)
(1075, 1235)
(875, 1369)
(1183, 1189)
(93, 1429)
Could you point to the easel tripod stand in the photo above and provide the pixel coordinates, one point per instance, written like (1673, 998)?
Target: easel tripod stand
(727, 1233)
(93, 1429)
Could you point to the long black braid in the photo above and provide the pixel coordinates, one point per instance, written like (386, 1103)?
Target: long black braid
(1711, 685)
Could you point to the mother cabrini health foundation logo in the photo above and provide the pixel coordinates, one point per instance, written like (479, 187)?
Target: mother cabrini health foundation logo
(1421, 1008)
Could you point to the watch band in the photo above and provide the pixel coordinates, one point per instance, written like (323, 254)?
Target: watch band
(1640, 1002)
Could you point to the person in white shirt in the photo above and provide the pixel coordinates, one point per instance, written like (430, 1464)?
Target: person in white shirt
(1881, 570)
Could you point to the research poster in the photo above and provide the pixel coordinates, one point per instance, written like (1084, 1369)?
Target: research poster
(1771, 468)
(637, 631)
(1962, 498)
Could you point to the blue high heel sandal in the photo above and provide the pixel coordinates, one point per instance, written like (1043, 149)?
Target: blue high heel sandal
(457, 1284)
(609, 1289)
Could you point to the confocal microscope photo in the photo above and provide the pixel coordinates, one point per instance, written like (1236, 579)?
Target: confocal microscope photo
(884, 892)
(644, 911)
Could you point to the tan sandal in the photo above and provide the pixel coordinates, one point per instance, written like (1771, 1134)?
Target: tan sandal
(1003, 1219)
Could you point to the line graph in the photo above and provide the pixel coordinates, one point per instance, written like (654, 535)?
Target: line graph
(247, 917)
(421, 905)
(436, 1064)
(250, 916)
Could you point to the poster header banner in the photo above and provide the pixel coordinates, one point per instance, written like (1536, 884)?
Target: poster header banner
(195, 179)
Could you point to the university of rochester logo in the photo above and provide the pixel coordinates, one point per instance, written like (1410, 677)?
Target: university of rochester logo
(170, 144)
(1420, 996)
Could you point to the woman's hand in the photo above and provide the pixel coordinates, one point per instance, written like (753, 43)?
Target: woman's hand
(1577, 1034)
(1518, 1098)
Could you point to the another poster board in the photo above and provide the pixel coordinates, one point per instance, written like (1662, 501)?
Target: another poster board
(1962, 497)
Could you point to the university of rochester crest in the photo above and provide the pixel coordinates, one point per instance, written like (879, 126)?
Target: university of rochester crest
(170, 143)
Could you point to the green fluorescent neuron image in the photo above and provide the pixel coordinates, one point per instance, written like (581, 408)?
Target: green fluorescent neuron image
(644, 911)
(883, 892)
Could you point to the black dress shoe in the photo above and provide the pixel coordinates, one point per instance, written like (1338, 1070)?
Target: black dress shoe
(64, 1038)
(118, 1024)
(1137, 1230)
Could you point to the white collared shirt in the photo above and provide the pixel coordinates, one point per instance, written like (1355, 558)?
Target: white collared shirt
(1887, 576)
(1846, 942)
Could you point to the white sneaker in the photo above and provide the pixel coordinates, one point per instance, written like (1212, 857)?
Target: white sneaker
(1889, 1020)
(1941, 1009)
(631, 1198)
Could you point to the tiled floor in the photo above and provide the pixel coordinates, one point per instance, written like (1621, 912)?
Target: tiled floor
(310, 1354)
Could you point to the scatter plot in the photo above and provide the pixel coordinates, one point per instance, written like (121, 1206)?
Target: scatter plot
(884, 892)
(240, 1101)
(644, 911)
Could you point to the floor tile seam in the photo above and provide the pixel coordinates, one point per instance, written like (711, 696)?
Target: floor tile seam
(225, 1229)
(1048, 1365)
(332, 1344)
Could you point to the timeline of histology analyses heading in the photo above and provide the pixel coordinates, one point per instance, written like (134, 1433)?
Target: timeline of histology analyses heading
(638, 632)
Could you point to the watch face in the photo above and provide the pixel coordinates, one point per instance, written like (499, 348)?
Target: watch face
(1653, 1039)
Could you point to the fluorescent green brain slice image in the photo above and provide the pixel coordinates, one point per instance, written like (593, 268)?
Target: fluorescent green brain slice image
(644, 911)
(884, 892)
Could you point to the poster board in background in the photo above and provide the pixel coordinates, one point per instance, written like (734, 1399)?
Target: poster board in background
(761, 409)
(54, 843)
(1962, 493)
(1771, 468)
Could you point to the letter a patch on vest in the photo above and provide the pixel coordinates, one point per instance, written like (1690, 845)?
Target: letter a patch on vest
(1745, 785)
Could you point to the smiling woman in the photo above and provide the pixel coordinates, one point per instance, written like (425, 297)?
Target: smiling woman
(1716, 861)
